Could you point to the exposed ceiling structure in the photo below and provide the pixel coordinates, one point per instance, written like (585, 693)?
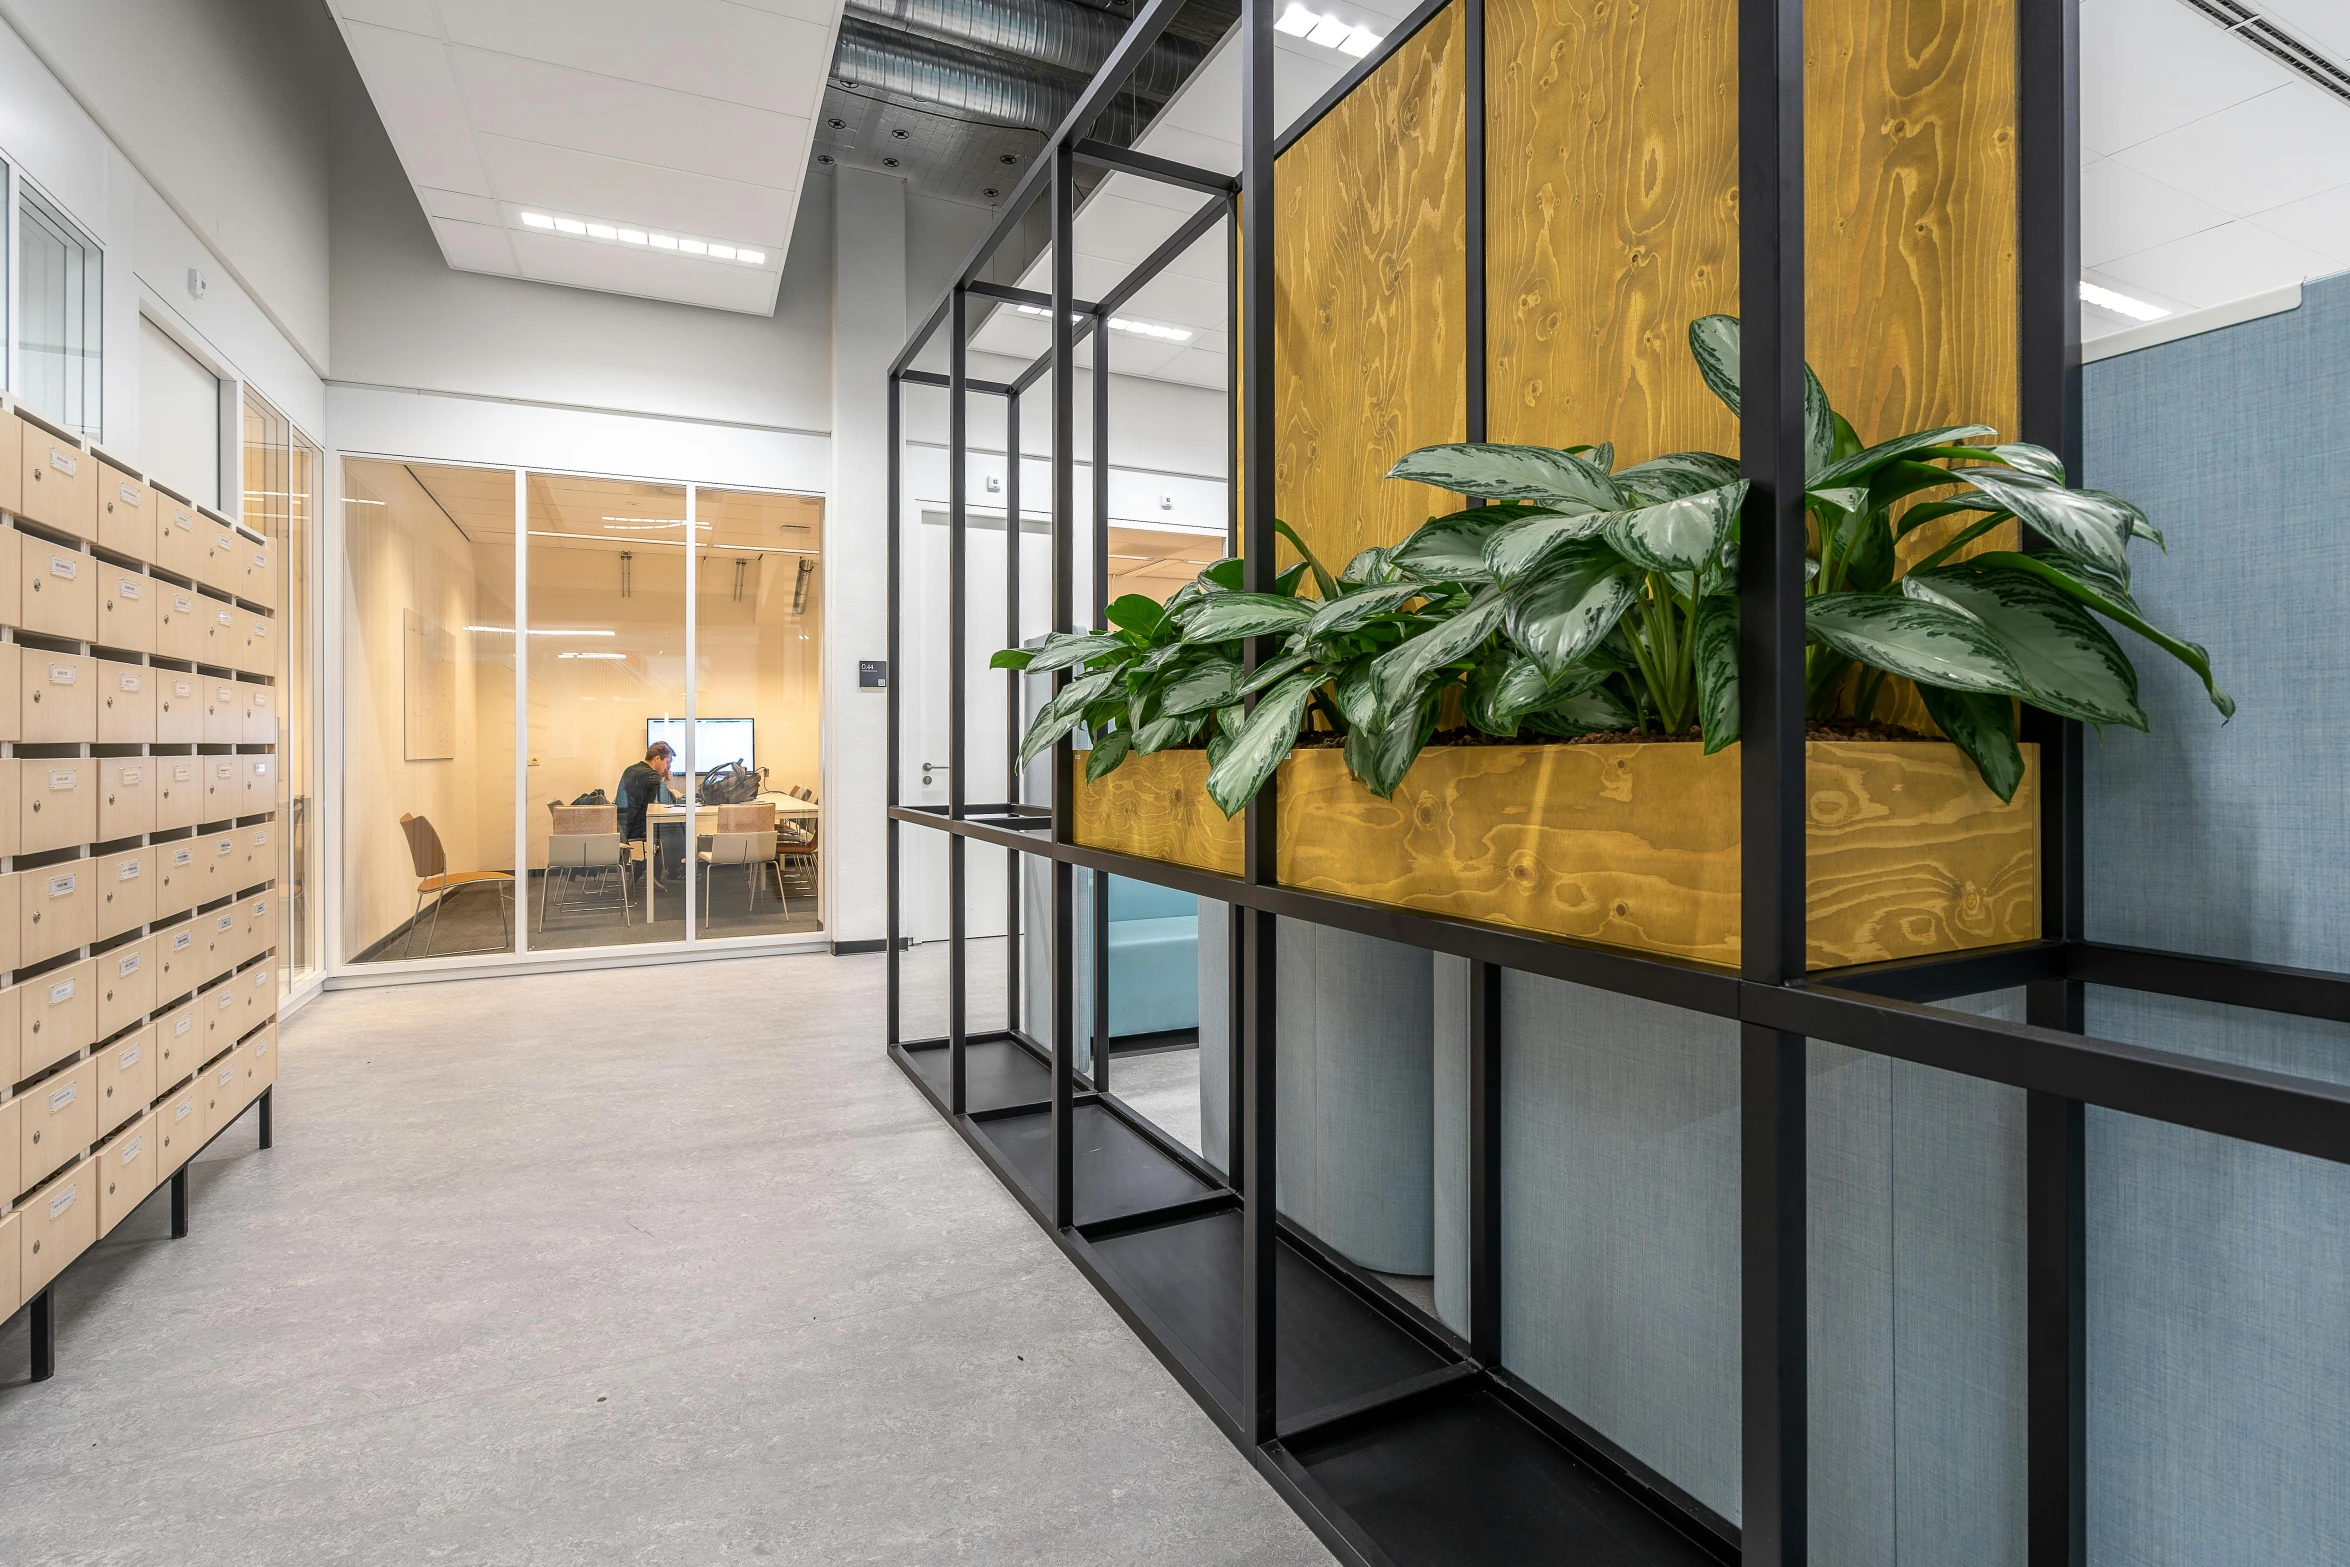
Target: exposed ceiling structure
(655, 150)
(569, 511)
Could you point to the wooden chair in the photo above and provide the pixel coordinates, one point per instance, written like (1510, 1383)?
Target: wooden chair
(745, 837)
(434, 878)
(584, 838)
(799, 848)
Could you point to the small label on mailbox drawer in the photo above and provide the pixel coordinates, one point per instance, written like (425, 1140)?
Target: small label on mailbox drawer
(61, 992)
(61, 674)
(129, 682)
(133, 1149)
(228, 1076)
(129, 588)
(61, 778)
(183, 856)
(179, 1112)
(185, 1023)
(184, 772)
(128, 1059)
(128, 870)
(64, 462)
(227, 619)
(63, 1200)
(180, 943)
(63, 566)
(63, 1097)
(130, 778)
(184, 604)
(63, 886)
(130, 497)
(129, 965)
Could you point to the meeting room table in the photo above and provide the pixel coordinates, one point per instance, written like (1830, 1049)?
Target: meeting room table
(657, 817)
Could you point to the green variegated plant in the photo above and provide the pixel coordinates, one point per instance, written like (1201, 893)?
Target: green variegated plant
(1579, 598)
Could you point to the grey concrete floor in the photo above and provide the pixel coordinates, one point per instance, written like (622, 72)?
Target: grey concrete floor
(659, 1265)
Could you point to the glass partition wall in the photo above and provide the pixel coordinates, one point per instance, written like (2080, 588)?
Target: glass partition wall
(656, 659)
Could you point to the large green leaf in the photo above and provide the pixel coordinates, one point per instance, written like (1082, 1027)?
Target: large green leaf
(1932, 644)
(2031, 459)
(2139, 527)
(1064, 648)
(1713, 342)
(1526, 546)
(1983, 726)
(1677, 474)
(1858, 467)
(1276, 669)
(1010, 658)
(1108, 751)
(2114, 603)
(1590, 711)
(1212, 683)
(2072, 664)
(1678, 535)
(1565, 611)
(1513, 473)
(1227, 617)
(1357, 694)
(1452, 548)
(1380, 760)
(1263, 741)
(1713, 636)
(1370, 568)
(1360, 608)
(1136, 613)
(1322, 579)
(1161, 733)
(1401, 669)
(1226, 575)
(2079, 522)
(1057, 717)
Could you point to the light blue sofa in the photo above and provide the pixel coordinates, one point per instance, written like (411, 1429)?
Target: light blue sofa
(1154, 955)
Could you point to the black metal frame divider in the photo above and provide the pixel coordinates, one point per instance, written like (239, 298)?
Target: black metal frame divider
(1451, 1457)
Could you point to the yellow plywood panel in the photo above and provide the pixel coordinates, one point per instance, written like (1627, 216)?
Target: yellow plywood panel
(1370, 346)
(1158, 807)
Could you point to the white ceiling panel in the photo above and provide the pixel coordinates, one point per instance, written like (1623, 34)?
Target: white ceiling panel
(710, 47)
(416, 93)
(2222, 264)
(2321, 222)
(2325, 23)
(475, 247)
(2122, 211)
(2262, 153)
(530, 100)
(688, 121)
(2150, 66)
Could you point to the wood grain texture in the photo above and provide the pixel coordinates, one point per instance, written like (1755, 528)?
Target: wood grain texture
(1611, 219)
(1157, 806)
(1370, 350)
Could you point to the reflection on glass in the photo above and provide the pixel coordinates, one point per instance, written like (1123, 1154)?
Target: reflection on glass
(428, 759)
(283, 469)
(758, 599)
(607, 662)
(60, 291)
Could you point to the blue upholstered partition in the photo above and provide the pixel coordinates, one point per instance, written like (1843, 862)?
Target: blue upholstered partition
(1154, 957)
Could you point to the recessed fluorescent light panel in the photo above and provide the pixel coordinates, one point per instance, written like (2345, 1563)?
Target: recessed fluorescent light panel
(1328, 31)
(643, 239)
(2121, 304)
(1168, 334)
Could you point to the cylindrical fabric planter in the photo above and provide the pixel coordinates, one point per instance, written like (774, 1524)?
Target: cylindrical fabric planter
(1354, 1089)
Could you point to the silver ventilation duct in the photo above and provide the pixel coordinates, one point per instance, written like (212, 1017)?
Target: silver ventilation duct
(1060, 33)
(933, 72)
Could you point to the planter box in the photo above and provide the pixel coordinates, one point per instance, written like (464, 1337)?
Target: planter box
(1635, 845)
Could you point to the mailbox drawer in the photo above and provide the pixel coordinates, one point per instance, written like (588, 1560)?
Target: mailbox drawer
(224, 792)
(179, 706)
(126, 795)
(60, 1122)
(260, 573)
(11, 805)
(224, 635)
(223, 564)
(220, 1090)
(126, 989)
(261, 924)
(223, 859)
(60, 482)
(126, 703)
(11, 500)
(223, 932)
(178, 546)
(224, 710)
(126, 894)
(260, 644)
(60, 698)
(261, 1055)
(126, 513)
(60, 1223)
(179, 878)
(57, 803)
(57, 912)
(11, 1146)
(260, 858)
(128, 1171)
(179, 1129)
(179, 965)
(183, 621)
(126, 1079)
(223, 1010)
(12, 930)
(260, 785)
(179, 791)
(260, 986)
(57, 1014)
(126, 609)
(59, 594)
(179, 1044)
(12, 686)
(12, 1262)
(261, 715)
(12, 554)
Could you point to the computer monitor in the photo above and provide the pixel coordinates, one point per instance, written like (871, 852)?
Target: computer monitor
(717, 741)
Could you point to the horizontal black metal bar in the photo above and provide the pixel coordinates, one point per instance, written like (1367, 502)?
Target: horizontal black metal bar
(1166, 171)
(1949, 974)
(1151, 1132)
(1694, 986)
(933, 378)
(1695, 1521)
(1335, 1421)
(2253, 1105)
(1174, 245)
(2297, 992)
(1042, 364)
(1153, 1218)
(1396, 38)
(1011, 294)
(1109, 79)
(1033, 1107)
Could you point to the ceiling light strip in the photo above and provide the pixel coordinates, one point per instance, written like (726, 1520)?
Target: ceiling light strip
(1168, 334)
(1330, 32)
(2120, 304)
(647, 239)
(2295, 54)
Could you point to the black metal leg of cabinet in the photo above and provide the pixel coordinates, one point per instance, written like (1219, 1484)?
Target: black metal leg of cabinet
(268, 1120)
(44, 1336)
(179, 1203)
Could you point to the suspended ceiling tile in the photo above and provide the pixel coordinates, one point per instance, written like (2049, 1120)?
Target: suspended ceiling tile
(2262, 153)
(475, 247)
(816, 11)
(2123, 212)
(1196, 367)
(588, 184)
(2321, 222)
(2324, 23)
(555, 105)
(708, 47)
(1196, 303)
(2220, 265)
(416, 94)
(1143, 356)
(714, 284)
(409, 16)
(2152, 66)
(457, 204)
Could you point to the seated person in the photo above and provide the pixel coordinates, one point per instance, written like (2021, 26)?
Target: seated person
(643, 784)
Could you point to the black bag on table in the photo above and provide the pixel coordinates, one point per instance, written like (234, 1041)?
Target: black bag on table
(732, 784)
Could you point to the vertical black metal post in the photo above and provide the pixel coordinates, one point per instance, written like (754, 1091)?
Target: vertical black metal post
(1235, 1060)
(958, 561)
(1064, 288)
(42, 1329)
(1256, 1043)
(179, 1204)
(1775, 1423)
(1485, 1162)
(1099, 982)
(2048, 241)
(1015, 868)
(1232, 391)
(893, 921)
(266, 1116)
(1473, 82)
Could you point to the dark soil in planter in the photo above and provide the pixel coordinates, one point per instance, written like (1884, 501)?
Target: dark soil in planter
(1828, 729)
